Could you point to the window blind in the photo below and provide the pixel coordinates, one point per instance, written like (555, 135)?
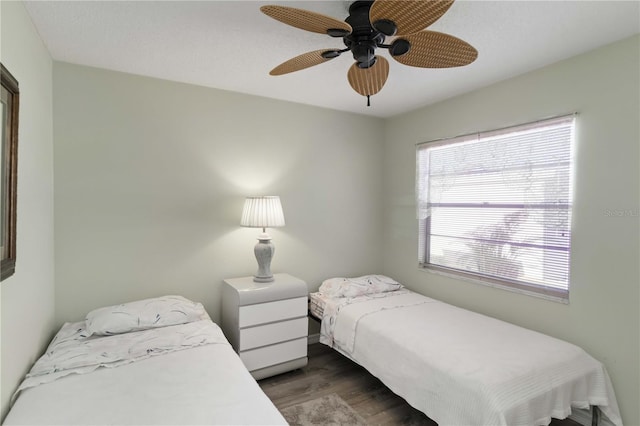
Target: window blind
(497, 205)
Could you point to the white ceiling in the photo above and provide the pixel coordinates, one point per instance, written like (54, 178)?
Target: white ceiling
(231, 45)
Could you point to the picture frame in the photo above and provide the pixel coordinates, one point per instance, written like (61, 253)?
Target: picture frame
(9, 111)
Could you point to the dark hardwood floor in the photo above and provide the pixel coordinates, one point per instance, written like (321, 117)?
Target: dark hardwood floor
(329, 372)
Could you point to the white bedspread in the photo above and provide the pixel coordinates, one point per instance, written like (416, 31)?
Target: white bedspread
(181, 375)
(463, 368)
(72, 352)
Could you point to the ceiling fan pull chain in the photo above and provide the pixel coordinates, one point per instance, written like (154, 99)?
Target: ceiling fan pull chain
(368, 102)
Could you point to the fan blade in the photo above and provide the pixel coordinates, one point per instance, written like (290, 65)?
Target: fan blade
(301, 62)
(306, 20)
(431, 49)
(409, 16)
(369, 81)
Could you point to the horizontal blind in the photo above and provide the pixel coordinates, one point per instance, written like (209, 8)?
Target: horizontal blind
(498, 204)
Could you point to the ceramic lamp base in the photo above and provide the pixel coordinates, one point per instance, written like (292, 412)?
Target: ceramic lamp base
(264, 250)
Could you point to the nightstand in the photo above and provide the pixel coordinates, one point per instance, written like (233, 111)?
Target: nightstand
(266, 323)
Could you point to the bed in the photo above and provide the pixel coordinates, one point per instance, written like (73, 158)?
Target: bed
(457, 366)
(156, 361)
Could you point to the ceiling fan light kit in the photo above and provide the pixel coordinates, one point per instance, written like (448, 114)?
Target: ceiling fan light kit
(365, 30)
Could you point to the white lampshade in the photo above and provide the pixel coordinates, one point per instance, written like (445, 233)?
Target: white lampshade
(262, 212)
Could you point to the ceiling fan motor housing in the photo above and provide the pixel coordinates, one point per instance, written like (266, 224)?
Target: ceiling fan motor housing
(364, 39)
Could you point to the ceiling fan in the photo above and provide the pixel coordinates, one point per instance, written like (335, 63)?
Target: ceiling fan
(366, 28)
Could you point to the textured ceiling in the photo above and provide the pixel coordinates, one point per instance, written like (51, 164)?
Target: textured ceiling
(231, 45)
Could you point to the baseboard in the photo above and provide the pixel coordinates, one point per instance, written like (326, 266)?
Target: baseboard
(584, 417)
(313, 338)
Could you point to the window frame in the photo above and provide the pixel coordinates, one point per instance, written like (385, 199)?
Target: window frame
(9, 175)
(424, 223)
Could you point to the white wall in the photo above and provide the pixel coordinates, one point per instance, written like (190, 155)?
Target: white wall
(603, 86)
(28, 296)
(151, 177)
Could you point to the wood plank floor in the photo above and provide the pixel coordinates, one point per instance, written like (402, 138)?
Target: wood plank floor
(329, 372)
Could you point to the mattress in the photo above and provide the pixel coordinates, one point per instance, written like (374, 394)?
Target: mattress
(199, 380)
(462, 368)
(317, 301)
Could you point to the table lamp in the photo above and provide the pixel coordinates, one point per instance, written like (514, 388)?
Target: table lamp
(263, 212)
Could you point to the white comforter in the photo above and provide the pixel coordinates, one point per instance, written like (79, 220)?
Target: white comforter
(182, 375)
(72, 352)
(463, 368)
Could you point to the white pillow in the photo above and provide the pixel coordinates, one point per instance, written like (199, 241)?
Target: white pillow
(143, 314)
(352, 287)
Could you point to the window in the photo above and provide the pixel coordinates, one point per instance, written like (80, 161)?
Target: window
(496, 206)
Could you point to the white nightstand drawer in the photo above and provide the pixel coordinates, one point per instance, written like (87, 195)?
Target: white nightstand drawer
(272, 311)
(274, 354)
(263, 335)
